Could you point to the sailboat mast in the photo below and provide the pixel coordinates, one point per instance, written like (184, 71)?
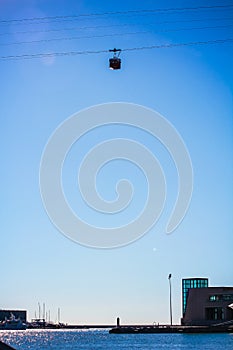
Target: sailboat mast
(43, 310)
(39, 309)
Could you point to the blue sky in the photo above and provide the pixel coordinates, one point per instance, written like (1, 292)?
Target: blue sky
(190, 86)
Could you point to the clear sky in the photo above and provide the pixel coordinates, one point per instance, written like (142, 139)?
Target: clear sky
(190, 86)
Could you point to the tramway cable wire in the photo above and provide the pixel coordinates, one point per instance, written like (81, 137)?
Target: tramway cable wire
(113, 34)
(114, 25)
(159, 10)
(74, 53)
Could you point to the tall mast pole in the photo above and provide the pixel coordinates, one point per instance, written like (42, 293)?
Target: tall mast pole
(170, 297)
(39, 309)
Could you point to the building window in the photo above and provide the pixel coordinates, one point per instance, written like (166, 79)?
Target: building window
(214, 313)
(217, 297)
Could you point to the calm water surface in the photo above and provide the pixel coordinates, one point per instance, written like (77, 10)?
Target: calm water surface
(100, 339)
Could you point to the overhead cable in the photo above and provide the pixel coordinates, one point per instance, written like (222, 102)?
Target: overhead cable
(74, 53)
(113, 34)
(118, 13)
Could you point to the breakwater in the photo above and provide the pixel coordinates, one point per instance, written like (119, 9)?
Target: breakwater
(171, 329)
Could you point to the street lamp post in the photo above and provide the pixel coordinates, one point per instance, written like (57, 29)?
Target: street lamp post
(170, 290)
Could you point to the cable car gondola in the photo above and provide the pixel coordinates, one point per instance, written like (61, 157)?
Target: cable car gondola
(115, 62)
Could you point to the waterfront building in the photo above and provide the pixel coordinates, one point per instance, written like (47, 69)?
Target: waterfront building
(204, 305)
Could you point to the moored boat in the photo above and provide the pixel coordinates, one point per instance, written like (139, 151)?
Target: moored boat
(12, 323)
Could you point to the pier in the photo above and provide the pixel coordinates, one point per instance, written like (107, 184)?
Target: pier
(146, 329)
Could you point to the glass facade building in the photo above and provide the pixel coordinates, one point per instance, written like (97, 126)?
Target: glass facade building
(188, 283)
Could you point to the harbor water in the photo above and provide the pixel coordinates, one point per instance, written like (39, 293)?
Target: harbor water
(101, 339)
